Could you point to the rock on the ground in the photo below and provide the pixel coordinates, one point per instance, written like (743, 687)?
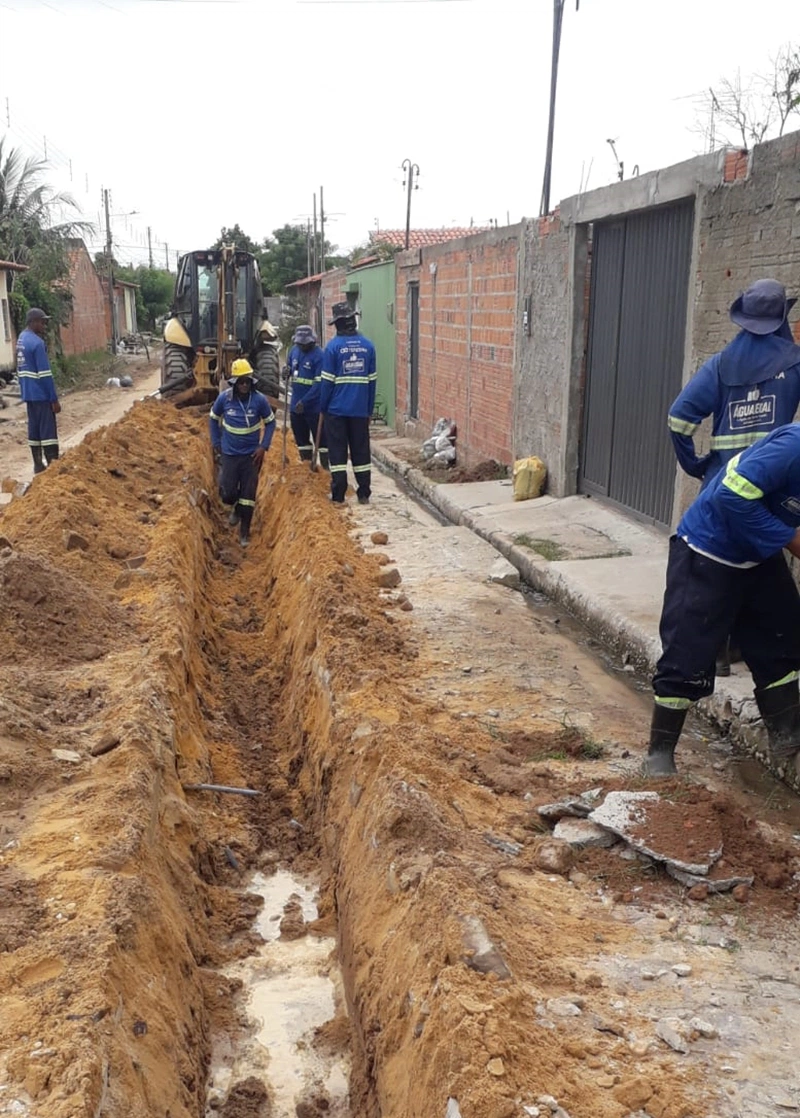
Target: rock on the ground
(406, 606)
(481, 953)
(683, 970)
(293, 924)
(554, 856)
(496, 1067)
(563, 1007)
(549, 1102)
(704, 1028)
(698, 892)
(741, 892)
(582, 832)
(75, 542)
(388, 579)
(453, 1109)
(670, 1030)
(505, 574)
(67, 755)
(105, 744)
(380, 539)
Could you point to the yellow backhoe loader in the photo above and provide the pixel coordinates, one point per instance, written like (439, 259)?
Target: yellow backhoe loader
(217, 315)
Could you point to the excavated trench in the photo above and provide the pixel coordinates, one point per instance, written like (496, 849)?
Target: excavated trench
(345, 943)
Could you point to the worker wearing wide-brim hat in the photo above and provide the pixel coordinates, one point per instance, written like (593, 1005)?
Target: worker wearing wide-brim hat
(749, 388)
(347, 401)
(242, 424)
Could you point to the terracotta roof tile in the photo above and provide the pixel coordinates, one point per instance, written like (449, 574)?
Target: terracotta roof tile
(418, 238)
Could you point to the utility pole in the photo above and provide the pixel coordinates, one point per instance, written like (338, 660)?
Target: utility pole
(315, 256)
(166, 254)
(558, 15)
(109, 261)
(150, 247)
(322, 232)
(308, 248)
(411, 169)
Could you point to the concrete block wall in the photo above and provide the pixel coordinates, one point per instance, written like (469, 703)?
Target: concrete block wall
(467, 310)
(86, 330)
(333, 287)
(554, 292)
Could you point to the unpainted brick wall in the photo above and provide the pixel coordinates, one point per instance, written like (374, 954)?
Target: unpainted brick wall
(333, 291)
(86, 330)
(467, 312)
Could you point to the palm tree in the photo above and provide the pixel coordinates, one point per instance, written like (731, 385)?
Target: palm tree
(29, 208)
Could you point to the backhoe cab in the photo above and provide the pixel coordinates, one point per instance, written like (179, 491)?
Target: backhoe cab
(217, 315)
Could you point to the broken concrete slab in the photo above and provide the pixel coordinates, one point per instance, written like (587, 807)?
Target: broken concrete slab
(505, 574)
(583, 832)
(663, 830)
(670, 1030)
(481, 953)
(715, 885)
(573, 808)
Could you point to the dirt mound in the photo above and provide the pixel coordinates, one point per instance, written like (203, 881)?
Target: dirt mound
(488, 470)
(50, 613)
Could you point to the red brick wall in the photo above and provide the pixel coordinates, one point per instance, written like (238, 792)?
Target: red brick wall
(86, 330)
(333, 291)
(467, 311)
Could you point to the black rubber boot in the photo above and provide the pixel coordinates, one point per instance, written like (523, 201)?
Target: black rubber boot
(51, 454)
(780, 709)
(665, 729)
(244, 526)
(234, 518)
(323, 458)
(38, 464)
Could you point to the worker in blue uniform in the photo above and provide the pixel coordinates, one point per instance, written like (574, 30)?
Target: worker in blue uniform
(749, 388)
(304, 370)
(241, 424)
(727, 575)
(38, 390)
(347, 400)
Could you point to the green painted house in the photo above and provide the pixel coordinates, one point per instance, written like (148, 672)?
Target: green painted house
(373, 285)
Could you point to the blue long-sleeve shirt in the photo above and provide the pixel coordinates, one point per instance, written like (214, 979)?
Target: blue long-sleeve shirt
(241, 424)
(349, 377)
(35, 377)
(751, 510)
(306, 372)
(751, 388)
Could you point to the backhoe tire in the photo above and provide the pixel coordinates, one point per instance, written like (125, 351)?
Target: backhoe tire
(176, 370)
(268, 372)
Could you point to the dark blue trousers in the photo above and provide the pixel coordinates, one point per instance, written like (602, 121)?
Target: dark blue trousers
(705, 602)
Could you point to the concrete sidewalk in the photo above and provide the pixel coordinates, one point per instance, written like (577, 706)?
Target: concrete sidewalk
(603, 567)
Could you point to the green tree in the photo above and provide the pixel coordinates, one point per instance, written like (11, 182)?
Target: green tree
(236, 236)
(153, 293)
(32, 234)
(285, 258)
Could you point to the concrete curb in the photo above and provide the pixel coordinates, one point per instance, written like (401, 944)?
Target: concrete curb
(730, 710)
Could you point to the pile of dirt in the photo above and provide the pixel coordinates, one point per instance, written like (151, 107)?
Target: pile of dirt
(488, 470)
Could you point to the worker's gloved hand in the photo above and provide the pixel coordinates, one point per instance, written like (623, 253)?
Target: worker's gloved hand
(56, 406)
(298, 409)
(216, 454)
(258, 456)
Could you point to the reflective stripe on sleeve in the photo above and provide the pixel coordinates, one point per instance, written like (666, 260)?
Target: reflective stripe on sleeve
(681, 426)
(739, 485)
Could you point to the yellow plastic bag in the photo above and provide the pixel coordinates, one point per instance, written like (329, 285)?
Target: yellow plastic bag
(529, 478)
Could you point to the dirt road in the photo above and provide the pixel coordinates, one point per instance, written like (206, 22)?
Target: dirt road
(400, 754)
(82, 411)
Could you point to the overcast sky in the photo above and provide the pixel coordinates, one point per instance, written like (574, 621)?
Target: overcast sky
(199, 113)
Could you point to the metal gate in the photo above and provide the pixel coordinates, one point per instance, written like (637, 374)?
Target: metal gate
(413, 350)
(637, 327)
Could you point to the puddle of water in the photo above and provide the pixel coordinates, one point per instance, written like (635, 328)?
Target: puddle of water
(290, 988)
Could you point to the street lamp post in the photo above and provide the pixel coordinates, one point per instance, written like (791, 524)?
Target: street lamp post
(558, 15)
(411, 170)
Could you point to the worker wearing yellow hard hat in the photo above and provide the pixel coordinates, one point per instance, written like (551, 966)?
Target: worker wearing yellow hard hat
(242, 424)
